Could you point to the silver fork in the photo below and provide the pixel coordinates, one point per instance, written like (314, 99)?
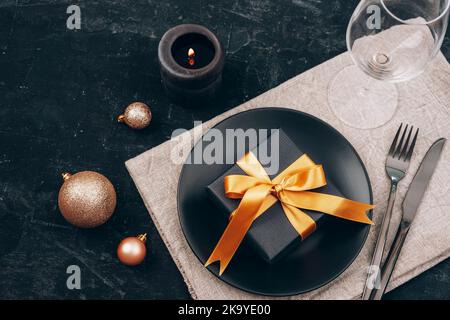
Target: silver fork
(397, 164)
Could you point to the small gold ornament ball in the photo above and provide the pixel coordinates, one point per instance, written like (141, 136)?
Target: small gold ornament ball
(86, 199)
(137, 116)
(132, 251)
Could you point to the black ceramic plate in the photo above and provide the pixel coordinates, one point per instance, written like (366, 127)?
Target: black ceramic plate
(321, 257)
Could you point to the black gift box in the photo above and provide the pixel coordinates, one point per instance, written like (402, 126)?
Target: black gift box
(271, 234)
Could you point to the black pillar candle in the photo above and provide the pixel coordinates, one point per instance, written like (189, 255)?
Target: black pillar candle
(191, 59)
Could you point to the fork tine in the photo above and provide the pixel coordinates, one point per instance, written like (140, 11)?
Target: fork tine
(411, 148)
(400, 144)
(394, 143)
(406, 145)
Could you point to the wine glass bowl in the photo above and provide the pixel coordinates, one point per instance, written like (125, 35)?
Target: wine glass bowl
(390, 41)
(400, 38)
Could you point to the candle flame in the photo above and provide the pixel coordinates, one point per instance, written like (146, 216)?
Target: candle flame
(191, 55)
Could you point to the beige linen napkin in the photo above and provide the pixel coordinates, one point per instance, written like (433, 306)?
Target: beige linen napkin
(424, 102)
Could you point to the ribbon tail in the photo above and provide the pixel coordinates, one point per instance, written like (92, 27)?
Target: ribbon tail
(333, 205)
(217, 255)
(238, 226)
(229, 241)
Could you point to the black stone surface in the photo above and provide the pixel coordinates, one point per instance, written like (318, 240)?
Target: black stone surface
(60, 93)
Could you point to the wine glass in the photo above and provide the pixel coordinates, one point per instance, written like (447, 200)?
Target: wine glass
(389, 41)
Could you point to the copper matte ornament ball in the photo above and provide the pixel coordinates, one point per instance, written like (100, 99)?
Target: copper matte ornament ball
(137, 116)
(132, 251)
(86, 199)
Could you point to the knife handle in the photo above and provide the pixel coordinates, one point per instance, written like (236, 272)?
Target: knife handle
(391, 260)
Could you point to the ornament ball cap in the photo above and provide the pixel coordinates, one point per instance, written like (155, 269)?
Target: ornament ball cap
(66, 176)
(142, 237)
(121, 118)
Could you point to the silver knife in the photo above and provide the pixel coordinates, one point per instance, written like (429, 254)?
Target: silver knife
(410, 205)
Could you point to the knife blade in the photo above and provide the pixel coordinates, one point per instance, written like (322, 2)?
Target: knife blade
(421, 179)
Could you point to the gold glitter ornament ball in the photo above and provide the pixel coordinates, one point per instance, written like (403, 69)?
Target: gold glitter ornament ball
(137, 116)
(86, 199)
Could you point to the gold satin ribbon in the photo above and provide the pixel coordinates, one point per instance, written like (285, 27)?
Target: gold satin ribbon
(290, 187)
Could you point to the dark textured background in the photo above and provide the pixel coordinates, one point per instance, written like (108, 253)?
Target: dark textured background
(60, 93)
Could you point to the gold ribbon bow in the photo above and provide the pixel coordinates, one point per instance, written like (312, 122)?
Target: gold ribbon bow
(290, 187)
